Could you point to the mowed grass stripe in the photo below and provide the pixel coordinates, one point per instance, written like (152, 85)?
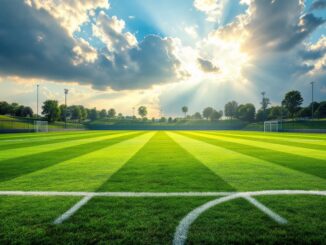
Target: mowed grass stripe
(82, 173)
(246, 173)
(312, 136)
(45, 141)
(316, 154)
(305, 143)
(163, 166)
(304, 164)
(15, 167)
(14, 153)
(25, 136)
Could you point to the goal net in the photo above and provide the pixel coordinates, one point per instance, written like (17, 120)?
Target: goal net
(41, 126)
(272, 126)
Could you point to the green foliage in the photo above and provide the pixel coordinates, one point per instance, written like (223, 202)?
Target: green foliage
(246, 112)
(216, 115)
(321, 110)
(93, 114)
(230, 109)
(111, 113)
(103, 113)
(207, 112)
(142, 111)
(51, 110)
(292, 102)
(184, 110)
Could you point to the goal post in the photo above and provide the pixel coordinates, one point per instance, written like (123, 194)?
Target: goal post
(41, 126)
(272, 126)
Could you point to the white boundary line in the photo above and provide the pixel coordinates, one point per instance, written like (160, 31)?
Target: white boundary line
(184, 226)
(72, 210)
(277, 218)
(181, 232)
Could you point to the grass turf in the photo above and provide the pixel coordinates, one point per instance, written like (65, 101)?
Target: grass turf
(161, 162)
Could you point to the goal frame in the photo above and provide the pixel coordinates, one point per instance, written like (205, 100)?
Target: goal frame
(272, 126)
(41, 126)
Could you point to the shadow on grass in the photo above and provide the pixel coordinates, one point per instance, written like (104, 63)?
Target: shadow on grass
(16, 167)
(162, 165)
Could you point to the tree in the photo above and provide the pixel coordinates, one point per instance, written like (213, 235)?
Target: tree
(196, 116)
(27, 112)
(185, 110)
(275, 112)
(216, 115)
(246, 112)
(111, 113)
(75, 112)
(321, 110)
(207, 112)
(19, 111)
(4, 108)
(170, 120)
(230, 109)
(162, 120)
(142, 111)
(63, 112)
(13, 107)
(103, 113)
(51, 110)
(292, 102)
(83, 112)
(93, 114)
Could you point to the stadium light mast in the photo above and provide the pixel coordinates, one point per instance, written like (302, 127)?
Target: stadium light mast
(312, 100)
(66, 93)
(37, 90)
(262, 103)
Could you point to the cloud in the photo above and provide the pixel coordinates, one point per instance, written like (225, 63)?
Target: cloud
(192, 31)
(34, 44)
(207, 66)
(70, 14)
(212, 8)
(110, 31)
(318, 4)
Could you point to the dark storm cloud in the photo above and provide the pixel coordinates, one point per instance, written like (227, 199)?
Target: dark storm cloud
(318, 4)
(207, 66)
(33, 44)
(312, 54)
(279, 25)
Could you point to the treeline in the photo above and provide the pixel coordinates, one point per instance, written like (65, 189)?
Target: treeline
(290, 108)
(14, 109)
(52, 111)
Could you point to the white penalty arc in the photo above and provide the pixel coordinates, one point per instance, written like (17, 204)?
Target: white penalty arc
(182, 230)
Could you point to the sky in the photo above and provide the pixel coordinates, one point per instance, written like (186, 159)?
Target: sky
(162, 54)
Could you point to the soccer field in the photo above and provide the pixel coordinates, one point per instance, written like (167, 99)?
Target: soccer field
(165, 187)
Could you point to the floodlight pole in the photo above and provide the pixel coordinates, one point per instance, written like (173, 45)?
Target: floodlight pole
(312, 100)
(263, 101)
(37, 90)
(66, 93)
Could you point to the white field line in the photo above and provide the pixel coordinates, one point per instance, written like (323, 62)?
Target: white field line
(72, 210)
(181, 233)
(182, 229)
(277, 218)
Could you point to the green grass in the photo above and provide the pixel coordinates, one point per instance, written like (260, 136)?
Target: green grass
(170, 161)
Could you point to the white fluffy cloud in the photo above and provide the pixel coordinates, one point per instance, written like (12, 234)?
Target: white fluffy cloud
(212, 8)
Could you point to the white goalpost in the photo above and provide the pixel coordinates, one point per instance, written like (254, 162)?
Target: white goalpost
(41, 126)
(272, 126)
